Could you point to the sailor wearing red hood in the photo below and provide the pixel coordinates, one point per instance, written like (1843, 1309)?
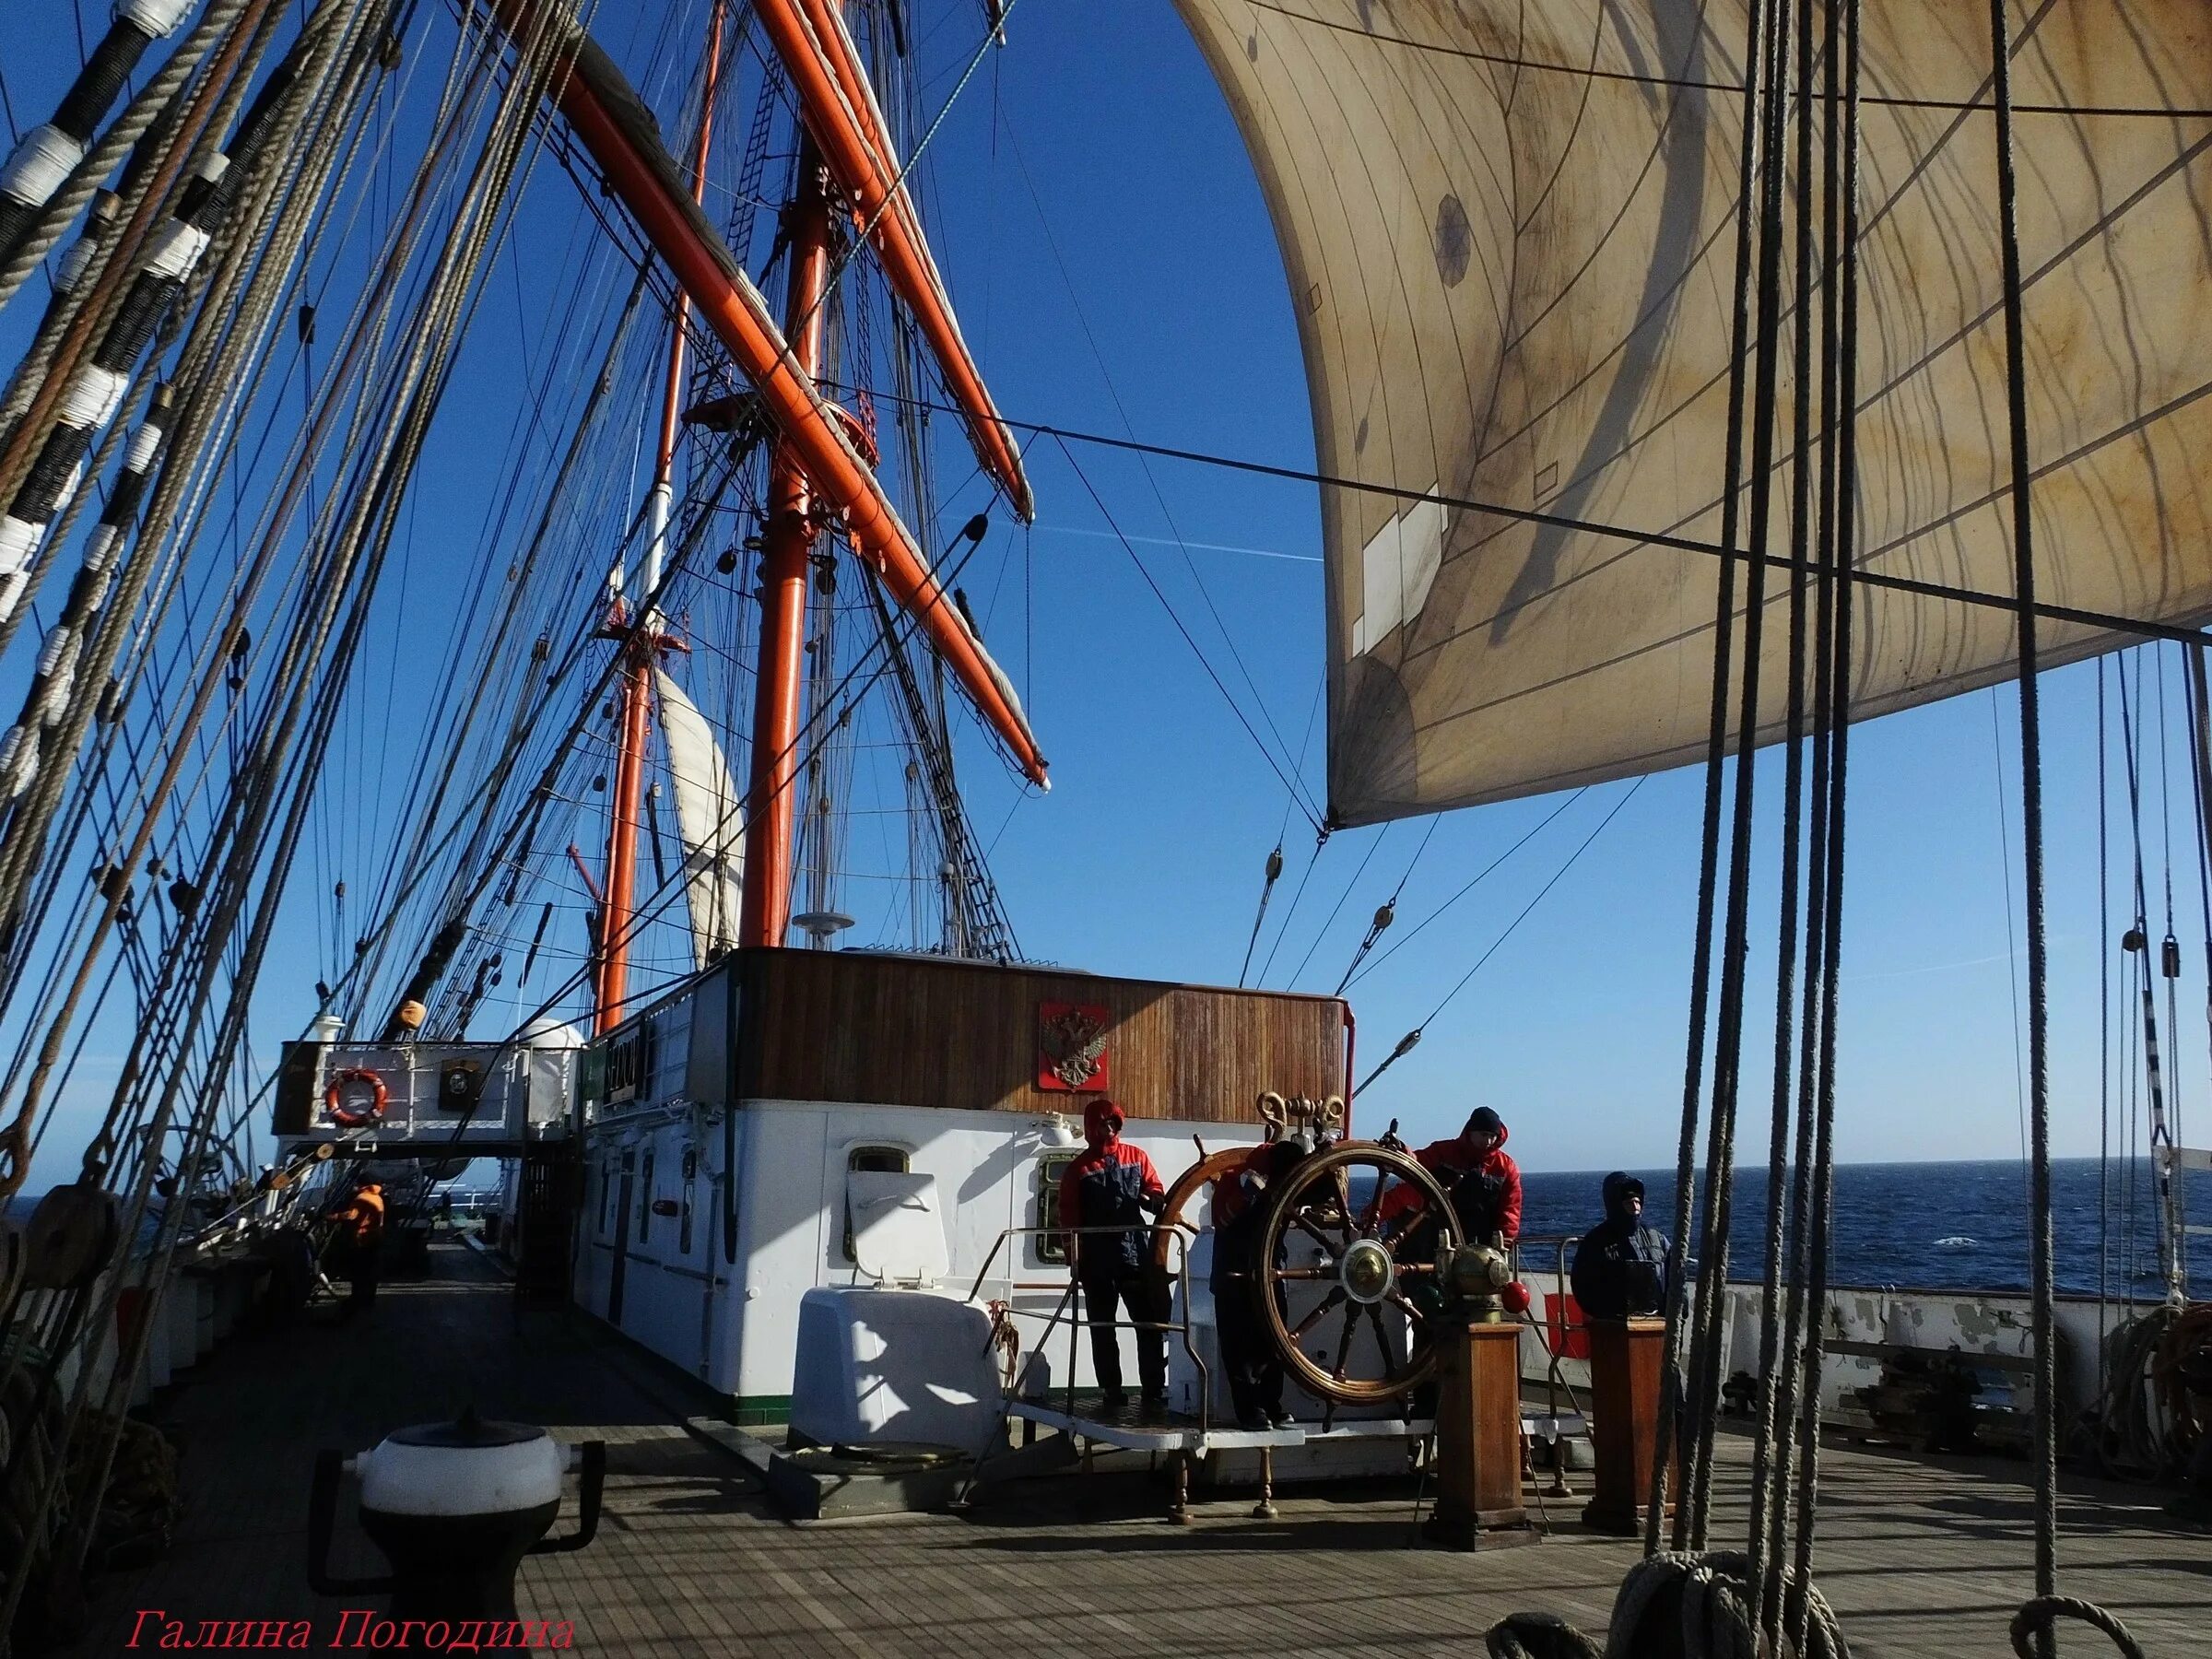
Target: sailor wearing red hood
(1113, 1184)
(1483, 1181)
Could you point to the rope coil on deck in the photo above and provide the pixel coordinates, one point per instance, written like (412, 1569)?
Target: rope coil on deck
(2041, 1616)
(1697, 1606)
(1538, 1636)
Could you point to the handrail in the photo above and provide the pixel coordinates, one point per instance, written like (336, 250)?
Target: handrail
(1205, 1392)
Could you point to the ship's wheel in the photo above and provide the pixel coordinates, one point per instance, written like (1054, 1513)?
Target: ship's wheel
(1350, 1305)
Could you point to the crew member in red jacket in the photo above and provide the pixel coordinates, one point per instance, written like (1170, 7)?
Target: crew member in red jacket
(1113, 1184)
(1482, 1180)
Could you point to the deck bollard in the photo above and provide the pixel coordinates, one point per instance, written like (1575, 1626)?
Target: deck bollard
(454, 1507)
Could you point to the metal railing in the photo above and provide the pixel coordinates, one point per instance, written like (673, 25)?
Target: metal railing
(1555, 1383)
(1063, 1306)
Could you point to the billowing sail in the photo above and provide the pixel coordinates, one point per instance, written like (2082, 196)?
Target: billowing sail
(710, 817)
(1510, 236)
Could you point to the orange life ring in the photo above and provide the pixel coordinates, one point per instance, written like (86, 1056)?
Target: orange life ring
(355, 1119)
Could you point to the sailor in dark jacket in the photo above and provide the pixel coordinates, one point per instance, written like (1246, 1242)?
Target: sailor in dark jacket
(1255, 1371)
(1620, 1265)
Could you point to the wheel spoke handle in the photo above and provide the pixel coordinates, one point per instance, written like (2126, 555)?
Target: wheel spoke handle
(1343, 1344)
(1314, 1317)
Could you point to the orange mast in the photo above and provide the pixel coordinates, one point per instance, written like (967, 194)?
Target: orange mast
(642, 646)
(605, 114)
(772, 797)
(840, 113)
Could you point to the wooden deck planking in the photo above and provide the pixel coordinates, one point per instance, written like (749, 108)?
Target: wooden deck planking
(1923, 1560)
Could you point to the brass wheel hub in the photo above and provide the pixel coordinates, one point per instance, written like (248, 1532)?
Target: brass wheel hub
(1367, 1273)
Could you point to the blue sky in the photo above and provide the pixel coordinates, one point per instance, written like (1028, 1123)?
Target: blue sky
(1116, 272)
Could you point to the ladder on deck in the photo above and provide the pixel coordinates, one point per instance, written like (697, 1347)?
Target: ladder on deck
(545, 1259)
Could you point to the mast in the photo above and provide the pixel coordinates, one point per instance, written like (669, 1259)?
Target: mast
(817, 455)
(643, 645)
(770, 815)
(605, 114)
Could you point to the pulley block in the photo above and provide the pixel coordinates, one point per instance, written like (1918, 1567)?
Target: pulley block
(72, 1236)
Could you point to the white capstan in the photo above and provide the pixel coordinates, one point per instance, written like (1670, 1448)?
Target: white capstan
(470, 1467)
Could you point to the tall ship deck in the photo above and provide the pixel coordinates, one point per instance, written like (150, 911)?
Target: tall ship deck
(568, 1064)
(1923, 1557)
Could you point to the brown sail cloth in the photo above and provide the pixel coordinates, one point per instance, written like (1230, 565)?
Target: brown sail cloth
(1508, 231)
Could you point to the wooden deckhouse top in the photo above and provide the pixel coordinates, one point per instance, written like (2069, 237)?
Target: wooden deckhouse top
(896, 1029)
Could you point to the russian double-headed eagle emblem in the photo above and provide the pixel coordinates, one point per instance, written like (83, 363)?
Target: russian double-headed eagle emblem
(1071, 1041)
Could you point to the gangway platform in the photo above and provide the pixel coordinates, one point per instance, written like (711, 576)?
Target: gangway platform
(409, 1099)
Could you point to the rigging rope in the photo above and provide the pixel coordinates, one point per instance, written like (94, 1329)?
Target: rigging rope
(2032, 831)
(1274, 765)
(149, 1145)
(1474, 881)
(21, 845)
(2104, 1022)
(2137, 944)
(1840, 530)
(1775, 1445)
(1771, 45)
(1274, 874)
(60, 210)
(1336, 910)
(1406, 1042)
(2046, 610)
(2012, 978)
(1321, 840)
(1311, 809)
(1388, 912)
(1275, 859)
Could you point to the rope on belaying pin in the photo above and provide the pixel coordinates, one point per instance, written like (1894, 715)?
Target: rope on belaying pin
(1698, 1603)
(2040, 1618)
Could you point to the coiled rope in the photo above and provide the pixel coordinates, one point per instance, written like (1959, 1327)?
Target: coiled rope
(1695, 1605)
(2036, 1619)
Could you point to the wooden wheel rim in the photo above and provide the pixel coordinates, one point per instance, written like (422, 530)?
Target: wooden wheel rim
(1188, 1185)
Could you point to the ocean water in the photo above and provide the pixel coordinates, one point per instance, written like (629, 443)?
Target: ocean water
(1924, 1226)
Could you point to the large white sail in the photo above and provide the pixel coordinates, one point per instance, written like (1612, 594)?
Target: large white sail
(1510, 236)
(710, 817)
